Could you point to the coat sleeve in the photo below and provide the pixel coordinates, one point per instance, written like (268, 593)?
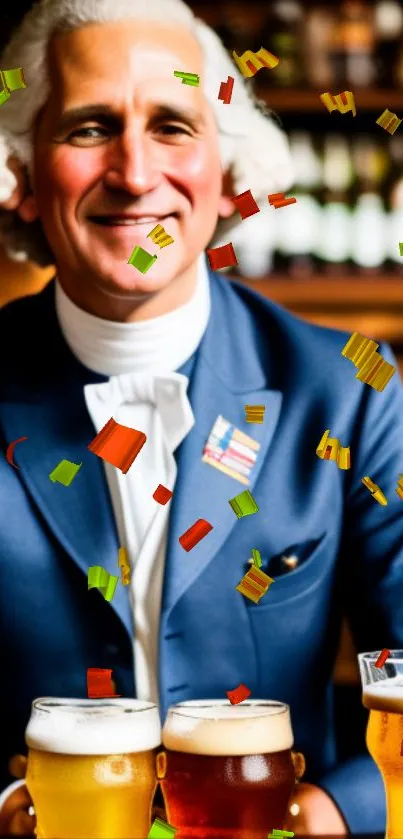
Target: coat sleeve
(371, 566)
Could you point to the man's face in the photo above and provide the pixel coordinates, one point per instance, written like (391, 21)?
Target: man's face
(149, 148)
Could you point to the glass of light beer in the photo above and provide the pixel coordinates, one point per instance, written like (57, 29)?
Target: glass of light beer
(383, 696)
(227, 770)
(91, 767)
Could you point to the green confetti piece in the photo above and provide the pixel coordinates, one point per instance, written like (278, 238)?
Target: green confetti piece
(4, 95)
(100, 578)
(244, 504)
(65, 472)
(161, 830)
(13, 79)
(401, 248)
(276, 834)
(257, 559)
(141, 259)
(188, 78)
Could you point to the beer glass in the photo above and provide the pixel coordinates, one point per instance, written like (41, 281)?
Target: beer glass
(383, 696)
(227, 770)
(91, 767)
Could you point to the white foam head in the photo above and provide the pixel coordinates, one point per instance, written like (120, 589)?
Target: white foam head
(93, 726)
(215, 727)
(385, 695)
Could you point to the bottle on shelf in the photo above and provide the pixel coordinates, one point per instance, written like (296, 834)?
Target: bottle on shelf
(254, 241)
(320, 25)
(282, 34)
(238, 25)
(388, 19)
(394, 202)
(369, 249)
(354, 46)
(297, 224)
(334, 235)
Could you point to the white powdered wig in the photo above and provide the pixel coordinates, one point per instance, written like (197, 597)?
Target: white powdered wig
(385, 695)
(216, 728)
(251, 143)
(93, 727)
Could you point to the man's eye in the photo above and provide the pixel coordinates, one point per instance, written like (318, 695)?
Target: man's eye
(173, 128)
(88, 133)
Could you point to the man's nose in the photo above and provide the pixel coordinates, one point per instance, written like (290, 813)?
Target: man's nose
(133, 166)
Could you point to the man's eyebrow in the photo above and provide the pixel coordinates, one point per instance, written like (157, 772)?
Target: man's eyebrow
(101, 112)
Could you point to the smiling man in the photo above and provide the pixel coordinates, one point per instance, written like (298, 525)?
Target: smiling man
(103, 144)
(111, 166)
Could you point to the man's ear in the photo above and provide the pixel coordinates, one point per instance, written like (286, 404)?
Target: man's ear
(28, 210)
(226, 206)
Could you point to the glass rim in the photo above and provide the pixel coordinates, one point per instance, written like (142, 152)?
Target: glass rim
(225, 703)
(128, 705)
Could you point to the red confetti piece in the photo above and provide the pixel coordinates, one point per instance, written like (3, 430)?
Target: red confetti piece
(10, 451)
(277, 199)
(225, 92)
(382, 658)
(222, 257)
(100, 684)
(162, 494)
(196, 532)
(401, 749)
(246, 204)
(239, 694)
(118, 444)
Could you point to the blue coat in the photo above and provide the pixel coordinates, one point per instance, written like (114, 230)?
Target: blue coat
(211, 637)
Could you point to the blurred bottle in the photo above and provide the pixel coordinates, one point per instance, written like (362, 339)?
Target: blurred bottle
(369, 223)
(282, 34)
(239, 26)
(388, 18)
(298, 223)
(394, 200)
(334, 235)
(254, 241)
(353, 52)
(320, 25)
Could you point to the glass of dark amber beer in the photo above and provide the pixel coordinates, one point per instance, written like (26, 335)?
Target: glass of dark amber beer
(227, 770)
(383, 696)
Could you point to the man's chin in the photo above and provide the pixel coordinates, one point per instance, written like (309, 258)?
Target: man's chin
(129, 283)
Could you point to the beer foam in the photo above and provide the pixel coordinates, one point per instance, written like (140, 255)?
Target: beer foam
(385, 695)
(222, 729)
(93, 727)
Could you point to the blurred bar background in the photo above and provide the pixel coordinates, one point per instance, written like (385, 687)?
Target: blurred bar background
(333, 257)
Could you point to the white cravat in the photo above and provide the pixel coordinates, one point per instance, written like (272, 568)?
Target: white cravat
(151, 399)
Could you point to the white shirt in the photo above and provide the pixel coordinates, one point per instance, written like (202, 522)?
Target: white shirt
(144, 393)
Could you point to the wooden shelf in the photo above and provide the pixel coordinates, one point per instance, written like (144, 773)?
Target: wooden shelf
(373, 306)
(383, 291)
(288, 100)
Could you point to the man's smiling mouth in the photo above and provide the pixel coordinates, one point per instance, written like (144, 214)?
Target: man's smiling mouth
(126, 221)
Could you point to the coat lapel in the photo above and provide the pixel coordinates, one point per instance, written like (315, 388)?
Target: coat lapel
(227, 375)
(49, 408)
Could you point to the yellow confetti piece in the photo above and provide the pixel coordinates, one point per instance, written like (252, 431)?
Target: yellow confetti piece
(330, 448)
(124, 565)
(389, 121)
(160, 237)
(373, 369)
(254, 413)
(250, 62)
(375, 491)
(342, 102)
(255, 584)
